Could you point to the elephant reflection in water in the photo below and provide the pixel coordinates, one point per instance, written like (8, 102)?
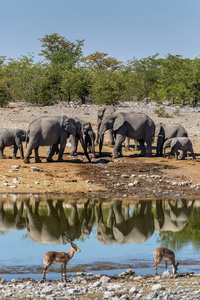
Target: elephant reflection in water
(12, 220)
(126, 229)
(175, 219)
(54, 228)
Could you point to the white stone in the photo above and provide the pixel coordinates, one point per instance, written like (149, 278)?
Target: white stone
(156, 287)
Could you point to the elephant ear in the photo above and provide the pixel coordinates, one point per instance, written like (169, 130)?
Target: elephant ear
(173, 142)
(69, 126)
(21, 135)
(118, 122)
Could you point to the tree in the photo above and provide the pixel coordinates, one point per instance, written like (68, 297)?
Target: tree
(59, 50)
(99, 61)
(143, 77)
(5, 93)
(108, 87)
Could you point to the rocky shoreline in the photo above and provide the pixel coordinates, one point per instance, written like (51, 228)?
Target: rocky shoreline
(124, 286)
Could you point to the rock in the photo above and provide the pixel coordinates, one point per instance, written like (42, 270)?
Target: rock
(105, 279)
(133, 290)
(108, 294)
(47, 290)
(15, 168)
(16, 180)
(157, 287)
(34, 169)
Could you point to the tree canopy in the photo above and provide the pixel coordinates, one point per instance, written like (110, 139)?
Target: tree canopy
(65, 74)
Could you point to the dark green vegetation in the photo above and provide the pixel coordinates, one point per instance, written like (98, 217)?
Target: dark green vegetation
(64, 74)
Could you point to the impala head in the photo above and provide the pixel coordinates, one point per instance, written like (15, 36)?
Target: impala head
(175, 268)
(73, 245)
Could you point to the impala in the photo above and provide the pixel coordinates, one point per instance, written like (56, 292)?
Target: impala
(167, 255)
(59, 258)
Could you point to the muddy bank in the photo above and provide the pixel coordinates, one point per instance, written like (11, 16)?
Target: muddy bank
(131, 176)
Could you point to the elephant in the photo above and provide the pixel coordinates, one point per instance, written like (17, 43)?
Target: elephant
(179, 143)
(12, 137)
(51, 131)
(132, 125)
(175, 218)
(58, 226)
(88, 136)
(123, 228)
(12, 219)
(103, 111)
(167, 131)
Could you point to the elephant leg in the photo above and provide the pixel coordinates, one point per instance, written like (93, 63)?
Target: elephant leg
(54, 149)
(21, 151)
(183, 155)
(175, 153)
(111, 137)
(15, 151)
(1, 153)
(62, 148)
(143, 150)
(127, 144)
(27, 156)
(118, 145)
(149, 147)
(37, 158)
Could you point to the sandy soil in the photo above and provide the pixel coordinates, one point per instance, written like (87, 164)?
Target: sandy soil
(131, 176)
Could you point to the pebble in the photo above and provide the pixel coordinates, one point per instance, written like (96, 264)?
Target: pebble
(112, 288)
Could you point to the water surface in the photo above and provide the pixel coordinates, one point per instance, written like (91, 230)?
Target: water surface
(113, 235)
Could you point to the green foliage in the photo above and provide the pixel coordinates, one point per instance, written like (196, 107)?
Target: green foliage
(107, 87)
(65, 73)
(161, 112)
(190, 233)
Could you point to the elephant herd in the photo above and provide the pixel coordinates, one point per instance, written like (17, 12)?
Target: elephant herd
(121, 126)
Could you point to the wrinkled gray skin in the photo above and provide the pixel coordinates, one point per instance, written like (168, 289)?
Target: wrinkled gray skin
(103, 111)
(12, 137)
(179, 143)
(167, 131)
(88, 136)
(52, 131)
(132, 125)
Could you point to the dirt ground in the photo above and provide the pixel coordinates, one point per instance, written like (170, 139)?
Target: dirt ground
(131, 176)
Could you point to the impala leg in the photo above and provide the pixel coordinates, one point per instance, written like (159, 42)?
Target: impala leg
(61, 271)
(64, 267)
(156, 265)
(45, 269)
(166, 265)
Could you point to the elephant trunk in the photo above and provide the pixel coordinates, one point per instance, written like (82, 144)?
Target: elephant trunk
(84, 147)
(101, 143)
(92, 137)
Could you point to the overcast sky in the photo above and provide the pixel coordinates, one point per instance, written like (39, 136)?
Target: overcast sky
(122, 28)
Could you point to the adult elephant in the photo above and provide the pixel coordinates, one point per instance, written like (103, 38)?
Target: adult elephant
(52, 131)
(132, 125)
(167, 131)
(12, 137)
(103, 111)
(88, 137)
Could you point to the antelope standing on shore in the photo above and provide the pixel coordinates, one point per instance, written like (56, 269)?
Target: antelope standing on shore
(59, 258)
(166, 255)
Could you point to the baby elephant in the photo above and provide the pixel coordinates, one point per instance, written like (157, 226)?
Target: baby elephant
(12, 137)
(179, 143)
